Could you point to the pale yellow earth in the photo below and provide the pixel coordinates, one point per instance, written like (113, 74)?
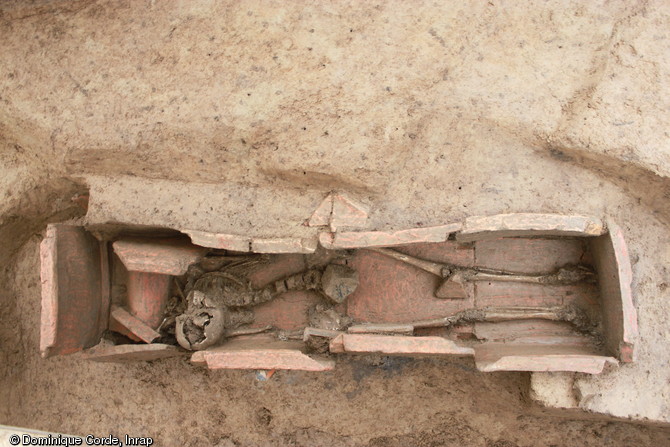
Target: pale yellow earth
(241, 116)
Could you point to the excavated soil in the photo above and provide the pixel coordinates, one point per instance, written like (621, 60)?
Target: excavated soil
(426, 111)
(370, 401)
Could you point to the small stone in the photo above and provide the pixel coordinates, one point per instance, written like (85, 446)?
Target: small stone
(338, 282)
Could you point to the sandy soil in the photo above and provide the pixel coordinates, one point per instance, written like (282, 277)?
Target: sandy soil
(426, 111)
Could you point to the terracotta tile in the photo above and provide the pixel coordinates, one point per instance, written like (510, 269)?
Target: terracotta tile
(283, 245)
(491, 357)
(224, 241)
(528, 255)
(164, 256)
(397, 345)
(347, 212)
(518, 294)
(148, 294)
(615, 276)
(289, 311)
(321, 215)
(361, 239)
(72, 292)
(529, 224)
(391, 291)
(133, 325)
(128, 353)
(260, 352)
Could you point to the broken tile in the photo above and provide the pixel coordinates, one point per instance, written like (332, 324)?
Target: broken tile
(224, 241)
(133, 325)
(528, 224)
(494, 356)
(260, 352)
(164, 256)
(397, 345)
(292, 359)
(321, 215)
(362, 239)
(283, 245)
(148, 294)
(347, 213)
(318, 332)
(126, 353)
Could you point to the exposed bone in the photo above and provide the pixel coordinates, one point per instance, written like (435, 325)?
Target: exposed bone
(429, 266)
(246, 331)
(570, 314)
(564, 275)
(217, 299)
(324, 317)
(200, 328)
(568, 274)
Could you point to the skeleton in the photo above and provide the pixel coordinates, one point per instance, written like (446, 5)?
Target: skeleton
(218, 300)
(219, 296)
(568, 274)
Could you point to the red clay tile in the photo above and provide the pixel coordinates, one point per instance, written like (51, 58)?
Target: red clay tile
(283, 245)
(362, 239)
(71, 270)
(347, 213)
(134, 325)
(615, 276)
(532, 256)
(397, 345)
(390, 291)
(529, 224)
(491, 357)
(321, 215)
(164, 256)
(260, 352)
(288, 311)
(519, 294)
(148, 294)
(233, 242)
(128, 353)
